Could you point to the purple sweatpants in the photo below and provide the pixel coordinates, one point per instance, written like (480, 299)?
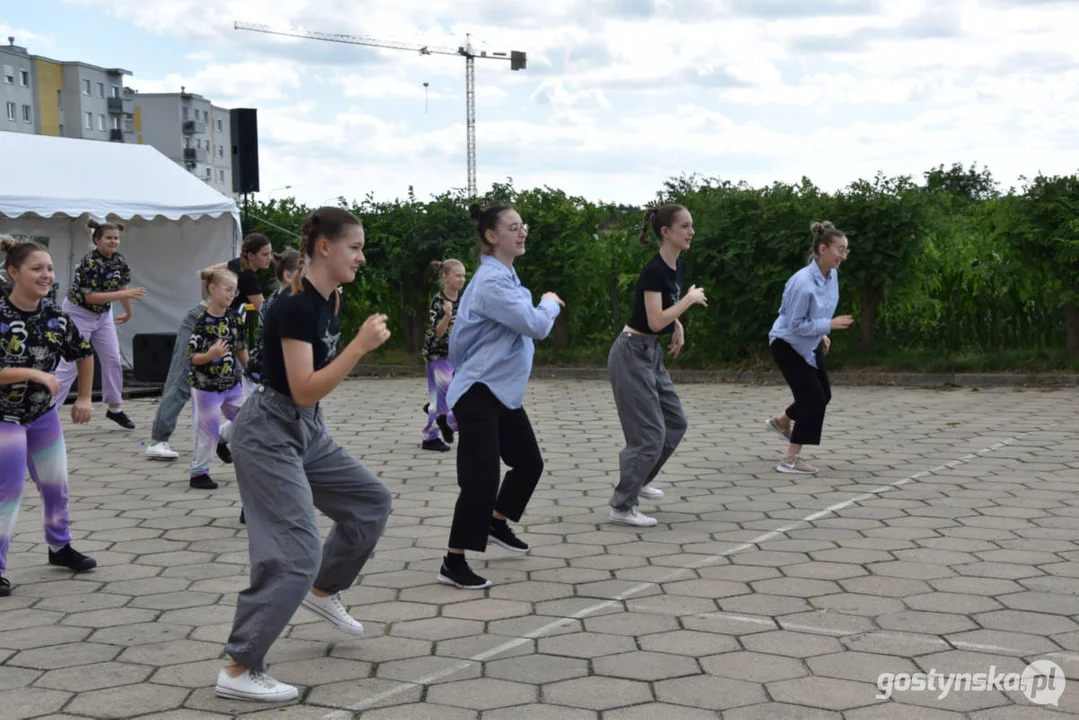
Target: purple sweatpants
(208, 407)
(39, 448)
(100, 332)
(439, 375)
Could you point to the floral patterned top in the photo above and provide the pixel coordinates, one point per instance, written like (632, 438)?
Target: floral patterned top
(438, 348)
(95, 274)
(220, 374)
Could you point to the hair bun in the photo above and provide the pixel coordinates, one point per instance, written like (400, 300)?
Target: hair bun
(7, 243)
(475, 211)
(93, 224)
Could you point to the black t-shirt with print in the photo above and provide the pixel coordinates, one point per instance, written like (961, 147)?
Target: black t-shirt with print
(37, 340)
(247, 284)
(656, 276)
(96, 273)
(437, 348)
(220, 374)
(307, 317)
(254, 361)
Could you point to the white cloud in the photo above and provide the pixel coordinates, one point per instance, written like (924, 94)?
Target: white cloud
(620, 94)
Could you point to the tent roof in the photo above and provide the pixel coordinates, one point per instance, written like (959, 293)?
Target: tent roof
(49, 176)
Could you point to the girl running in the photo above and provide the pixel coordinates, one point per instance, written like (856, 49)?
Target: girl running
(436, 351)
(33, 337)
(648, 406)
(215, 349)
(491, 350)
(799, 341)
(99, 279)
(287, 465)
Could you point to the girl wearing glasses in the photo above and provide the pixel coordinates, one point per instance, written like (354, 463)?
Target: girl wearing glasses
(799, 341)
(491, 352)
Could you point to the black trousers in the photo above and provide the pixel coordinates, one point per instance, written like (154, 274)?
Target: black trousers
(811, 389)
(488, 431)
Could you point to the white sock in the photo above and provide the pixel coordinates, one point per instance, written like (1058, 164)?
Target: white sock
(225, 433)
(57, 548)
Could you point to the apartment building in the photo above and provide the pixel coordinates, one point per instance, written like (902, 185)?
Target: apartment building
(190, 130)
(65, 99)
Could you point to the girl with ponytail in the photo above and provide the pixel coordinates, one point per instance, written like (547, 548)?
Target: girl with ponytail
(799, 341)
(436, 351)
(287, 465)
(99, 279)
(649, 409)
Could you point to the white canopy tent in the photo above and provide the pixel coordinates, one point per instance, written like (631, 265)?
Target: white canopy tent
(175, 223)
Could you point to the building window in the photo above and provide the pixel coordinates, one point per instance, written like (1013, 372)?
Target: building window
(185, 113)
(11, 111)
(220, 126)
(115, 122)
(9, 75)
(222, 175)
(88, 121)
(101, 122)
(208, 171)
(85, 87)
(101, 90)
(116, 91)
(24, 78)
(27, 115)
(221, 151)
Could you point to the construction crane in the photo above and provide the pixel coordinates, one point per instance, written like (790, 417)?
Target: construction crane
(516, 58)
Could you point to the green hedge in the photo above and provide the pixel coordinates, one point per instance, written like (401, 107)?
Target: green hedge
(945, 273)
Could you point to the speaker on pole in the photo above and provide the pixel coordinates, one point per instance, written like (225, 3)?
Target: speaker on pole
(245, 150)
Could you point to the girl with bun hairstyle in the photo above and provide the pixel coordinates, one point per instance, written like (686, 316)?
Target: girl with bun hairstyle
(799, 341)
(34, 336)
(100, 278)
(287, 465)
(649, 409)
(215, 350)
(491, 350)
(436, 351)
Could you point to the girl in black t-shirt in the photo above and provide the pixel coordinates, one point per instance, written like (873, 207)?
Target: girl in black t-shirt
(648, 406)
(287, 465)
(33, 338)
(216, 352)
(286, 266)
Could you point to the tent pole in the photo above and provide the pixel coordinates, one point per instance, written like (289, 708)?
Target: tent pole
(247, 220)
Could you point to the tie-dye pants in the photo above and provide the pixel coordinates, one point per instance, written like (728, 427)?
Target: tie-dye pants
(207, 408)
(439, 375)
(39, 448)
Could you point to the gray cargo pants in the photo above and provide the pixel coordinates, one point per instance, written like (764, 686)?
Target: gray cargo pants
(286, 467)
(649, 409)
(177, 389)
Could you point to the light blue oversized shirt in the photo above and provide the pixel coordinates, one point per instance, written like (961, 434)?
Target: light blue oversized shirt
(491, 342)
(805, 315)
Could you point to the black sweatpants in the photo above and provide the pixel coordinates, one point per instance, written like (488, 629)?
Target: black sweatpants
(811, 389)
(487, 431)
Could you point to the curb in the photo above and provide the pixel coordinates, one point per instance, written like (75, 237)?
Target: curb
(755, 377)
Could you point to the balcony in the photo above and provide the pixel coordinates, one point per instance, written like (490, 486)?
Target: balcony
(116, 135)
(192, 156)
(194, 127)
(121, 106)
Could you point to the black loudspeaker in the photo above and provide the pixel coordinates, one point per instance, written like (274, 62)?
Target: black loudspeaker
(153, 355)
(245, 150)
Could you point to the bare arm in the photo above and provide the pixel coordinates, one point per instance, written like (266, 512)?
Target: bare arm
(256, 300)
(12, 375)
(442, 326)
(308, 386)
(85, 368)
(658, 318)
(100, 298)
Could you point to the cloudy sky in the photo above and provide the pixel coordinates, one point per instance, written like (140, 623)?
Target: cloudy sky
(618, 95)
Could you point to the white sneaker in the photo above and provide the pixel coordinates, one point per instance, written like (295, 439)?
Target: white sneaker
(632, 516)
(333, 611)
(161, 451)
(797, 466)
(252, 685)
(650, 493)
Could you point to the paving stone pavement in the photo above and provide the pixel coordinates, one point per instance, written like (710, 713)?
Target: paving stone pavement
(941, 534)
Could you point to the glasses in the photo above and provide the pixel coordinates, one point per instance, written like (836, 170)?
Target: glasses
(517, 227)
(843, 252)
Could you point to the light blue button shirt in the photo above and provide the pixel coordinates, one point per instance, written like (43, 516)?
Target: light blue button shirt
(805, 315)
(491, 342)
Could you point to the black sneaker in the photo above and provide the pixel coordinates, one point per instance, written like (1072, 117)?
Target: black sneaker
(5, 586)
(461, 575)
(427, 408)
(120, 418)
(72, 559)
(444, 426)
(203, 482)
(436, 445)
(224, 453)
(243, 518)
(502, 534)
